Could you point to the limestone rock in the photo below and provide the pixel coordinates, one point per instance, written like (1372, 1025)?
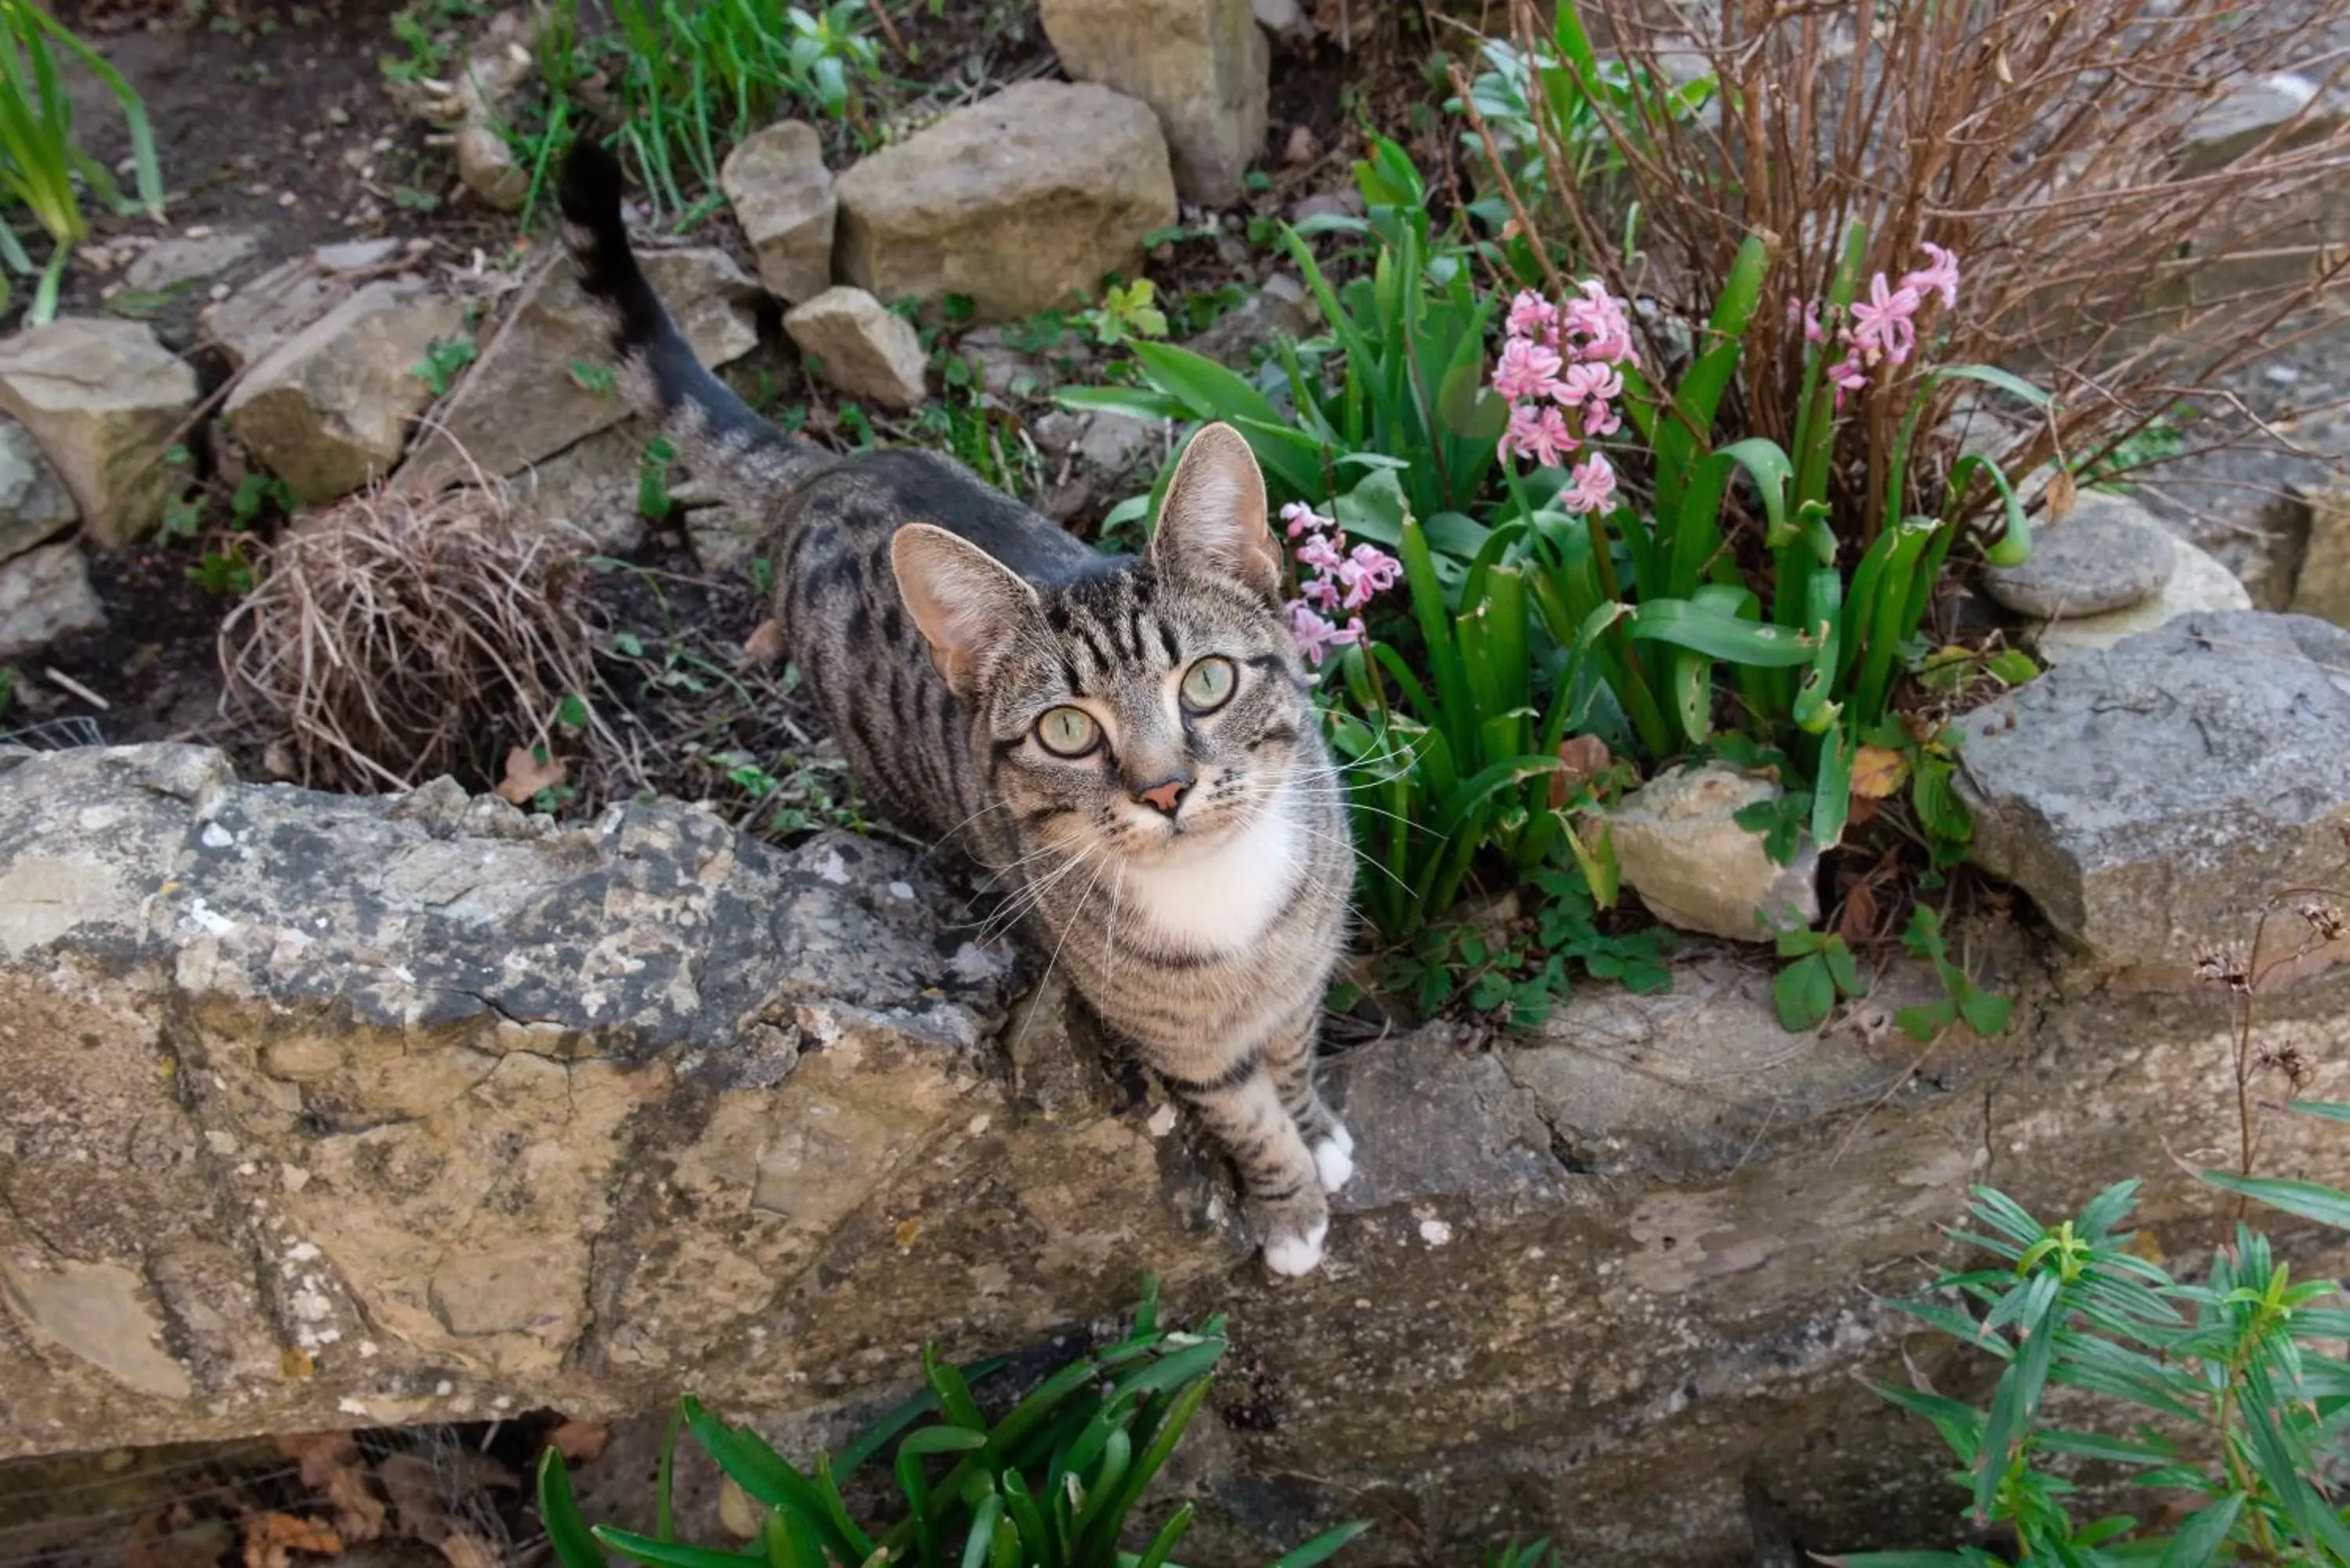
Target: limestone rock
(2149, 796)
(44, 594)
(723, 539)
(590, 491)
(863, 346)
(272, 309)
(2109, 555)
(520, 402)
(415, 1109)
(1113, 443)
(1243, 335)
(1202, 66)
(2249, 114)
(2197, 582)
(2322, 586)
(1696, 869)
(782, 195)
(33, 502)
(330, 410)
(103, 397)
(357, 255)
(182, 259)
(1021, 201)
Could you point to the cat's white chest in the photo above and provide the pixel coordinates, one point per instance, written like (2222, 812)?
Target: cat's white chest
(1225, 899)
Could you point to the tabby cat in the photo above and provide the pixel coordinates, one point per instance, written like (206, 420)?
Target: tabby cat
(1128, 743)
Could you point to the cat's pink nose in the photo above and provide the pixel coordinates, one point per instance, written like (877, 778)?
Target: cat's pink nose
(1166, 795)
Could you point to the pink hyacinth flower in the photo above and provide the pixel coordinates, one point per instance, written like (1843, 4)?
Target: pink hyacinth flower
(1304, 519)
(1594, 487)
(1601, 419)
(1590, 382)
(1383, 570)
(1533, 317)
(1322, 593)
(1539, 433)
(1940, 276)
(1882, 322)
(1527, 370)
(1313, 634)
(1321, 553)
(1807, 317)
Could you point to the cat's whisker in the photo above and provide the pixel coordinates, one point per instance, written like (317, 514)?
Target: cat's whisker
(1046, 978)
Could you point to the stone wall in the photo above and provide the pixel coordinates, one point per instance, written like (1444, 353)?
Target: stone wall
(323, 1110)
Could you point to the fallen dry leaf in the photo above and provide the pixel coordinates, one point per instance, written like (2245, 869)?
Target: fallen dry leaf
(464, 1551)
(416, 1496)
(1582, 757)
(764, 646)
(1877, 772)
(580, 1442)
(526, 776)
(2063, 496)
(320, 1455)
(358, 1512)
(272, 1539)
(1859, 923)
(906, 1230)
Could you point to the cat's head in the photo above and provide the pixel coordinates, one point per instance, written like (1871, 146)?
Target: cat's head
(1151, 708)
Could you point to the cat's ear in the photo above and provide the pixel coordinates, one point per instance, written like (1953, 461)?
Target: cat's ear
(1213, 521)
(967, 603)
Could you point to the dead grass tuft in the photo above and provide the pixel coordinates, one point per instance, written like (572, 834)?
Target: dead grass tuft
(391, 639)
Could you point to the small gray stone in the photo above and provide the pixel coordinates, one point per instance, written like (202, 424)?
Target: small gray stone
(723, 539)
(1113, 443)
(2109, 555)
(589, 491)
(782, 195)
(2247, 114)
(330, 410)
(2152, 796)
(103, 397)
(273, 307)
(1680, 847)
(2198, 583)
(521, 403)
(33, 502)
(865, 350)
(44, 594)
(1021, 202)
(1202, 66)
(180, 260)
(357, 255)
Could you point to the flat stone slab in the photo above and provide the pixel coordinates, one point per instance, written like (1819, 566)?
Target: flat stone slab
(2199, 584)
(2109, 555)
(2153, 795)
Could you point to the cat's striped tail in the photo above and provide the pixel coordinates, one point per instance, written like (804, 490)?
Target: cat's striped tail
(722, 439)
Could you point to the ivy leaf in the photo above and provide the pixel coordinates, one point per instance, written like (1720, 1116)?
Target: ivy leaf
(1985, 1013)
(1922, 1022)
(1803, 994)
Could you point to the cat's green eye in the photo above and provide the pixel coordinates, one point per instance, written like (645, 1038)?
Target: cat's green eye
(1208, 685)
(1067, 731)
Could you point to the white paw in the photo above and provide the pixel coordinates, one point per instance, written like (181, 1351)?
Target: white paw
(1293, 1255)
(1342, 1138)
(1334, 1157)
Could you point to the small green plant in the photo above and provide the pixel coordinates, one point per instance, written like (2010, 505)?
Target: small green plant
(1820, 969)
(1983, 1011)
(42, 163)
(654, 503)
(444, 362)
(1053, 1481)
(1127, 311)
(1514, 973)
(686, 79)
(600, 379)
(2236, 1396)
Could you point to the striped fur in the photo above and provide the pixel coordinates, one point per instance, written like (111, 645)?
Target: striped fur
(938, 622)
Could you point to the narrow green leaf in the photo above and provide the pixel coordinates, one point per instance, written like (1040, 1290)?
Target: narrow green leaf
(2200, 1534)
(1322, 1548)
(559, 1510)
(2308, 1200)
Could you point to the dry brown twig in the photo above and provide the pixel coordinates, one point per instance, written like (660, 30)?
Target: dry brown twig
(2050, 146)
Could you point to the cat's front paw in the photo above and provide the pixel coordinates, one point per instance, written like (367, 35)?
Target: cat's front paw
(1291, 1252)
(1334, 1157)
